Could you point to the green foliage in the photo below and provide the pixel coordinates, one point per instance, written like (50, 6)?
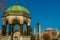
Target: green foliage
(25, 33)
(54, 39)
(33, 37)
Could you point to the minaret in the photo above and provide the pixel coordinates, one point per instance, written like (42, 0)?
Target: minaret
(34, 30)
(39, 29)
(35, 37)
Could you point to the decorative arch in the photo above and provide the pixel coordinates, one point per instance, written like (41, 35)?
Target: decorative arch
(26, 22)
(5, 22)
(15, 21)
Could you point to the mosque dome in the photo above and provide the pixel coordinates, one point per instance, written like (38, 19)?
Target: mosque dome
(49, 29)
(17, 9)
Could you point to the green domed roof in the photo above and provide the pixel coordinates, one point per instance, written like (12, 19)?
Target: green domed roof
(16, 8)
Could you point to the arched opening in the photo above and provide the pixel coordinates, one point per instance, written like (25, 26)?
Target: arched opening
(16, 27)
(4, 28)
(7, 28)
(27, 28)
(16, 24)
(24, 30)
(15, 21)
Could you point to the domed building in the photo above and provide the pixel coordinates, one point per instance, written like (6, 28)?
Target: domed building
(49, 29)
(13, 15)
(49, 34)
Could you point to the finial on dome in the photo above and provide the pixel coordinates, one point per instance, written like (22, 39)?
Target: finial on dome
(16, 3)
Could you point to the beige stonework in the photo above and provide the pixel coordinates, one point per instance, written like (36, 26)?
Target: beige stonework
(21, 19)
(26, 38)
(17, 35)
(51, 33)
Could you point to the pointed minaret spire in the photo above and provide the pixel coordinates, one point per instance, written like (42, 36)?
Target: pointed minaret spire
(16, 3)
(39, 28)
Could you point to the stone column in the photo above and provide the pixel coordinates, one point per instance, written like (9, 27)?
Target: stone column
(3, 30)
(21, 29)
(9, 29)
(12, 29)
(28, 30)
(12, 32)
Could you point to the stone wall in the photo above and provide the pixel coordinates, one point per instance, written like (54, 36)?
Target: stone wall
(26, 38)
(21, 38)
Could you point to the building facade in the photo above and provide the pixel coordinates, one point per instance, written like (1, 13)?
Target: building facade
(13, 15)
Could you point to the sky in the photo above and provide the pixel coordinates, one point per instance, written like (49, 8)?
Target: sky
(47, 12)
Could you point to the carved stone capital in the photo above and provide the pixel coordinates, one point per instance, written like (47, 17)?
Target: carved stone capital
(3, 23)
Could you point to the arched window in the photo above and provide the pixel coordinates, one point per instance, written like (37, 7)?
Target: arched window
(7, 28)
(16, 27)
